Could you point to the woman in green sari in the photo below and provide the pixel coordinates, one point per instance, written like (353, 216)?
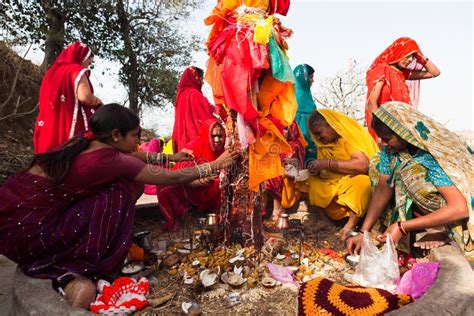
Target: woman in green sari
(423, 176)
(304, 79)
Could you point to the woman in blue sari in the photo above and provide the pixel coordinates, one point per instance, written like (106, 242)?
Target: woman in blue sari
(306, 105)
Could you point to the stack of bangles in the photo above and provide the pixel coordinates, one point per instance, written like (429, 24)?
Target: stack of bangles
(402, 230)
(157, 158)
(204, 170)
(333, 165)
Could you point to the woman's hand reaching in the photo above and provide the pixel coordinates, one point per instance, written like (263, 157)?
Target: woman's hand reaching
(394, 231)
(353, 244)
(183, 155)
(226, 159)
(316, 165)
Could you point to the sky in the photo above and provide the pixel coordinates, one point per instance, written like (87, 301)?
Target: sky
(328, 34)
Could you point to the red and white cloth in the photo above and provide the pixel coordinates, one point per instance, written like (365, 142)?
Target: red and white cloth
(124, 296)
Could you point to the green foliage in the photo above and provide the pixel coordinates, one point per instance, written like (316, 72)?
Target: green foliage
(158, 39)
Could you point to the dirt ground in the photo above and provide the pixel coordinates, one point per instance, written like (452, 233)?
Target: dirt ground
(254, 299)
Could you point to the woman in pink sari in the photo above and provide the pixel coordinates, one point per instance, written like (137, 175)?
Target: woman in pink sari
(66, 99)
(155, 145)
(72, 210)
(204, 194)
(191, 108)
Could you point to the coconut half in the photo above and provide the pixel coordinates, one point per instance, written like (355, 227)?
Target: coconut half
(208, 277)
(268, 282)
(132, 268)
(280, 256)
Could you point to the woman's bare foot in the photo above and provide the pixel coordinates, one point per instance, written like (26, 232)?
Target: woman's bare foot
(80, 292)
(321, 220)
(277, 210)
(350, 225)
(432, 240)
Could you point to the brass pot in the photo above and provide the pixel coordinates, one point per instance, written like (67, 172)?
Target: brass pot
(211, 219)
(283, 222)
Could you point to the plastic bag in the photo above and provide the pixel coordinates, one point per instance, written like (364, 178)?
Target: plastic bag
(377, 268)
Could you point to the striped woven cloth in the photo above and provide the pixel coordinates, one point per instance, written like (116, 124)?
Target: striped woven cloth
(321, 296)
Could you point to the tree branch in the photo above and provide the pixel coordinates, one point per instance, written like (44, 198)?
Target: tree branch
(15, 80)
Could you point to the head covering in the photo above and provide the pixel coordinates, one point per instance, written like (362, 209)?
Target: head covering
(303, 90)
(176, 200)
(191, 109)
(425, 133)
(348, 128)
(75, 53)
(381, 70)
(60, 114)
(190, 79)
(203, 147)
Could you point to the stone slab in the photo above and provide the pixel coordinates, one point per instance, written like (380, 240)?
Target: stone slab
(7, 270)
(453, 292)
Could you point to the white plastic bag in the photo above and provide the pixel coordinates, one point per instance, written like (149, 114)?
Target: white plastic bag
(377, 268)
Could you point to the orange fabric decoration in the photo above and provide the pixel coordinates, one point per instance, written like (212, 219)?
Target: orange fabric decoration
(213, 77)
(277, 99)
(264, 155)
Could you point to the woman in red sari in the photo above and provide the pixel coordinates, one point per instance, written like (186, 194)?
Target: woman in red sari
(66, 99)
(191, 109)
(283, 189)
(72, 210)
(386, 77)
(204, 194)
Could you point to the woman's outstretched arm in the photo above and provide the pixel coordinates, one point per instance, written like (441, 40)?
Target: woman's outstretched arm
(454, 210)
(156, 175)
(381, 196)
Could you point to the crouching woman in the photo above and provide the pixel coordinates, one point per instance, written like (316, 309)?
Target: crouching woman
(423, 176)
(72, 210)
(339, 183)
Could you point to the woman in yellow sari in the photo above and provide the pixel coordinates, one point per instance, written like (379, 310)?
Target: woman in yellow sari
(339, 182)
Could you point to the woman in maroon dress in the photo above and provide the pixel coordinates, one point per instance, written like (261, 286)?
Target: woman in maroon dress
(72, 210)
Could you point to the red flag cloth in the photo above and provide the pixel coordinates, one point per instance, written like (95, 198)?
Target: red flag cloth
(382, 69)
(61, 116)
(279, 6)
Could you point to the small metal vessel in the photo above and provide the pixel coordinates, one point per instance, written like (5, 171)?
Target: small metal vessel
(282, 222)
(143, 239)
(211, 219)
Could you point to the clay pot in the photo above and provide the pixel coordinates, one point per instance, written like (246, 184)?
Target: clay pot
(170, 260)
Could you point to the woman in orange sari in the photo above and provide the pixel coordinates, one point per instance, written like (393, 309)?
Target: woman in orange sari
(386, 77)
